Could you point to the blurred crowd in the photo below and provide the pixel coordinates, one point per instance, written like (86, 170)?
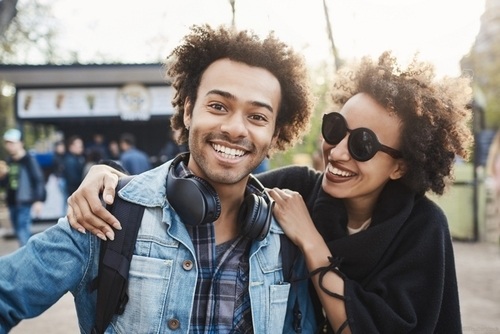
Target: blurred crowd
(37, 186)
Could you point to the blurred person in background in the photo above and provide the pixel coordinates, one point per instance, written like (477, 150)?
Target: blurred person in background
(58, 170)
(92, 157)
(98, 144)
(172, 146)
(114, 150)
(74, 161)
(132, 159)
(24, 182)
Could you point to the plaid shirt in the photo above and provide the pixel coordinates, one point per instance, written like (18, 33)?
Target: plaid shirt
(221, 301)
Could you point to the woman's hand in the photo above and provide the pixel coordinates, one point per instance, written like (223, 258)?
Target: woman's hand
(85, 208)
(291, 213)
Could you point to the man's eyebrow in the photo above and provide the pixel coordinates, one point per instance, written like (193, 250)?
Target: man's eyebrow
(230, 96)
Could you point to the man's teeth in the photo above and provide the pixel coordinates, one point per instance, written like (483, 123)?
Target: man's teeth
(228, 152)
(339, 172)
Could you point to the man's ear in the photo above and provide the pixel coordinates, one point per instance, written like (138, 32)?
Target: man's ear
(275, 138)
(187, 113)
(400, 170)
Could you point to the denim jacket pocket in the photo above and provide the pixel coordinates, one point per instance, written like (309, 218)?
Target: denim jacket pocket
(149, 280)
(278, 306)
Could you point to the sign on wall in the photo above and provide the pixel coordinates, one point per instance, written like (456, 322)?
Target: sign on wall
(129, 102)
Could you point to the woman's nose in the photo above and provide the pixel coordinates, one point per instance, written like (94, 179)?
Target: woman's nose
(339, 152)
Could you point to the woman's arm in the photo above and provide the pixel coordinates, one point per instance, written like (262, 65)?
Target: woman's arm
(85, 208)
(293, 216)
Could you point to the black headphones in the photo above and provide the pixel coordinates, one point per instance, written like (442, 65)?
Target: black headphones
(197, 202)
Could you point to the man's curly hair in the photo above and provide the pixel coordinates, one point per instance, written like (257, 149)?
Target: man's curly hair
(204, 45)
(435, 114)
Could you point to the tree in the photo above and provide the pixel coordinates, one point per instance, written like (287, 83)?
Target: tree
(28, 30)
(329, 30)
(483, 62)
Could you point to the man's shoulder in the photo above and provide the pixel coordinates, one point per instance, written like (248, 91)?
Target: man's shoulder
(147, 188)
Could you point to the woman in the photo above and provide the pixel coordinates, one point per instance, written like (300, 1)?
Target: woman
(391, 258)
(378, 250)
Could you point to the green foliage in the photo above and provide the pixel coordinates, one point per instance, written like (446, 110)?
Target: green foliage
(321, 82)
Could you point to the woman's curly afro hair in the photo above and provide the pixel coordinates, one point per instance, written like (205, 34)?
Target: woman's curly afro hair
(434, 114)
(204, 45)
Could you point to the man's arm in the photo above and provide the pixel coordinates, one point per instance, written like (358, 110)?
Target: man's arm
(35, 276)
(85, 208)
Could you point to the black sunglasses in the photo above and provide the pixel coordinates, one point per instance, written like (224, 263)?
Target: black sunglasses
(362, 143)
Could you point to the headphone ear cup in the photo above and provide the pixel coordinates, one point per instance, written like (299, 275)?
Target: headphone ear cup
(209, 198)
(193, 199)
(255, 216)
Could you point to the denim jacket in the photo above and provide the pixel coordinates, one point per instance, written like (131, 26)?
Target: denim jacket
(163, 273)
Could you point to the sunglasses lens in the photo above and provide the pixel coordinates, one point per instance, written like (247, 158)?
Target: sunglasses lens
(333, 128)
(362, 144)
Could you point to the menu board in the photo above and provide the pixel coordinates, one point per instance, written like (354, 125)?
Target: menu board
(129, 102)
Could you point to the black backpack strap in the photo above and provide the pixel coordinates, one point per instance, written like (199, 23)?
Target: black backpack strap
(289, 254)
(114, 261)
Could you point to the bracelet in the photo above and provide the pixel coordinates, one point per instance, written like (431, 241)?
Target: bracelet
(342, 327)
(333, 266)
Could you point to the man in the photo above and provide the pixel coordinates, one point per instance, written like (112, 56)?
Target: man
(74, 162)
(171, 147)
(24, 182)
(238, 98)
(97, 145)
(132, 159)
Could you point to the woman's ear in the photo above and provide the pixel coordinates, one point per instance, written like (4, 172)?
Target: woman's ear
(400, 170)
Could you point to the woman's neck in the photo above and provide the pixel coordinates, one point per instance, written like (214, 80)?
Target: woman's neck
(358, 211)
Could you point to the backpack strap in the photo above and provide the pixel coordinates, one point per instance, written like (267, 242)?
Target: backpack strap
(114, 261)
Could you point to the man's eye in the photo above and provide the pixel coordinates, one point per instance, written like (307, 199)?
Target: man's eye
(258, 118)
(216, 106)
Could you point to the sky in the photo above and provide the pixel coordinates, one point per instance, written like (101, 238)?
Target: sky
(441, 31)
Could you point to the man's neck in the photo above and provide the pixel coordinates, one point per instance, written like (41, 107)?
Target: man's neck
(19, 155)
(227, 225)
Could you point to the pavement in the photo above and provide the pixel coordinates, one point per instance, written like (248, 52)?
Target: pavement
(478, 271)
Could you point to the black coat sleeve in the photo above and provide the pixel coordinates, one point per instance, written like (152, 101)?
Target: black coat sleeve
(301, 179)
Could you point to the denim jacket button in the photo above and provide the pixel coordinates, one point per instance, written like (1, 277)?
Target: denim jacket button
(174, 324)
(187, 265)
